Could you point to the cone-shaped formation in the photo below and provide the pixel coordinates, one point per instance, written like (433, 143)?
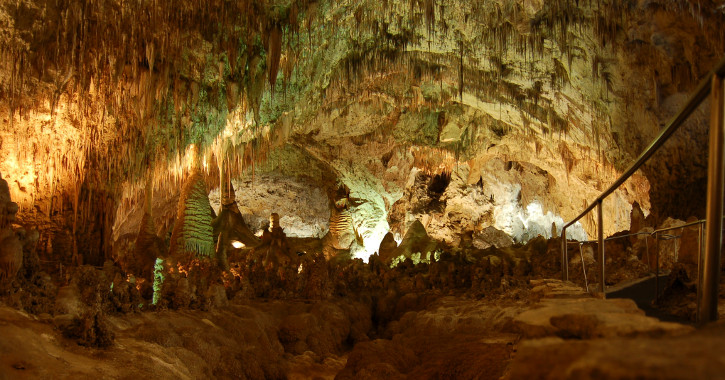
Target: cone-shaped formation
(387, 248)
(229, 226)
(192, 234)
(274, 251)
(416, 240)
(342, 232)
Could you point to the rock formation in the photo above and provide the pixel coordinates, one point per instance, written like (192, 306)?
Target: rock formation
(502, 89)
(148, 245)
(192, 235)
(415, 242)
(387, 249)
(11, 249)
(274, 244)
(229, 227)
(342, 233)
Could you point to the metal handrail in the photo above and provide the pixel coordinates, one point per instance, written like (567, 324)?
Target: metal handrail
(654, 233)
(700, 221)
(712, 83)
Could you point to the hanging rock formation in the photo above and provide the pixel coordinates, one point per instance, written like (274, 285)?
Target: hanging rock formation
(564, 92)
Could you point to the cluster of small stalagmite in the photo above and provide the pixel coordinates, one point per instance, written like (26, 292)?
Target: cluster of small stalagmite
(209, 259)
(274, 266)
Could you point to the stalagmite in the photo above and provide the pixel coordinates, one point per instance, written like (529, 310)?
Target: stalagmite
(192, 236)
(229, 226)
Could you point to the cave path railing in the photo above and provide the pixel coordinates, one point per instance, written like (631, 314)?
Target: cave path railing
(709, 268)
(657, 235)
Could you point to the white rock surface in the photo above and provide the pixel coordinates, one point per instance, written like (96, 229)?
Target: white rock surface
(303, 207)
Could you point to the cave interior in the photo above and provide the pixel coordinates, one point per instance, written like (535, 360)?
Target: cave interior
(358, 189)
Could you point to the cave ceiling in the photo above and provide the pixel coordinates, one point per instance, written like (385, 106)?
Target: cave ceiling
(538, 101)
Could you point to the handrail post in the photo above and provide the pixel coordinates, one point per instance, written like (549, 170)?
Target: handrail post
(584, 268)
(710, 270)
(657, 268)
(700, 257)
(600, 230)
(646, 246)
(564, 261)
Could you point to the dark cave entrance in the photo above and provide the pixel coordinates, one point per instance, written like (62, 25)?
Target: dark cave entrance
(438, 185)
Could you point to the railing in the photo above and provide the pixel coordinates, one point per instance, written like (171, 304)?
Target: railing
(657, 235)
(709, 271)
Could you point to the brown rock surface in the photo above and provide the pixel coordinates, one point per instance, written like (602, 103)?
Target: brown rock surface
(11, 248)
(591, 318)
(667, 246)
(697, 355)
(387, 248)
(240, 342)
(545, 329)
(690, 243)
(450, 338)
(491, 236)
(636, 221)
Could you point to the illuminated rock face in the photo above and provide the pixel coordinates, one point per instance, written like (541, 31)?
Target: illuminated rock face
(302, 205)
(545, 103)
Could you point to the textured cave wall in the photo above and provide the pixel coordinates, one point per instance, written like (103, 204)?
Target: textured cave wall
(671, 51)
(302, 206)
(450, 208)
(366, 89)
(91, 94)
(678, 173)
(573, 92)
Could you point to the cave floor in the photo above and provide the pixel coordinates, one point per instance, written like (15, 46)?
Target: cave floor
(553, 331)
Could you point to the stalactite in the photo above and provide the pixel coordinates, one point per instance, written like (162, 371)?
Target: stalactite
(567, 157)
(429, 11)
(274, 53)
(94, 58)
(148, 246)
(460, 70)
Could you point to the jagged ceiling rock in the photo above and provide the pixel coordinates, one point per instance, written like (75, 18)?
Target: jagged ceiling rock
(366, 89)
